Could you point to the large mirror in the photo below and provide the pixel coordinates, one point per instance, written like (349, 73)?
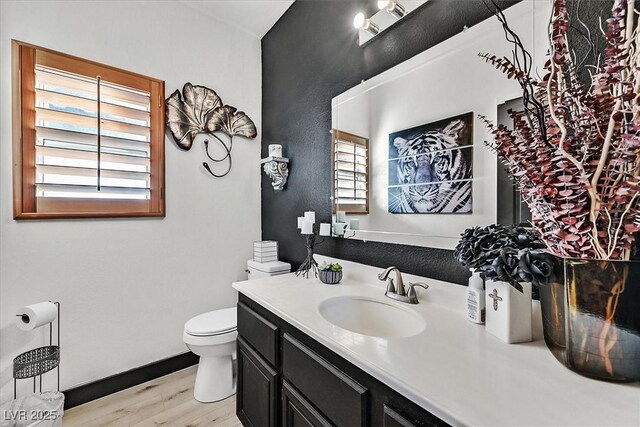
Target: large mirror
(410, 161)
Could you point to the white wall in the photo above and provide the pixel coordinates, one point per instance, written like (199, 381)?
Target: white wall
(444, 81)
(127, 286)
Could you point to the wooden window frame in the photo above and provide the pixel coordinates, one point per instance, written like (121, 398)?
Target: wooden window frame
(358, 140)
(25, 205)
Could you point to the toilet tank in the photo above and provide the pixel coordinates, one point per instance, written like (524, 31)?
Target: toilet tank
(258, 270)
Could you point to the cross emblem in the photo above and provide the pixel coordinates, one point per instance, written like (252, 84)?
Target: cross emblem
(494, 296)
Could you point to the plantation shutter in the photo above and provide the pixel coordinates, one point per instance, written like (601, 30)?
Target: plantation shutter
(93, 139)
(80, 156)
(351, 172)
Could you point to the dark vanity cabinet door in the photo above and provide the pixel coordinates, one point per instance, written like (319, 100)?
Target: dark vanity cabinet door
(297, 411)
(257, 389)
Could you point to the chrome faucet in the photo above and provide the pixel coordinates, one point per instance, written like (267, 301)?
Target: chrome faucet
(396, 290)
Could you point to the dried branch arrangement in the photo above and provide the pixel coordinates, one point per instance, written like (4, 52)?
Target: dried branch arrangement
(574, 152)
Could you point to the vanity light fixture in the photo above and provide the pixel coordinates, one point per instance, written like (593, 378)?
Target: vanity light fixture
(393, 7)
(390, 13)
(362, 23)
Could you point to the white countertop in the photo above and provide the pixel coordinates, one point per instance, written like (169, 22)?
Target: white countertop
(454, 368)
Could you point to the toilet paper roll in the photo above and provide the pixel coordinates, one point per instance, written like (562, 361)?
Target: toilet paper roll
(36, 315)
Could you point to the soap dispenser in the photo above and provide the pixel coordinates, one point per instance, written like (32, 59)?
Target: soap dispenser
(475, 298)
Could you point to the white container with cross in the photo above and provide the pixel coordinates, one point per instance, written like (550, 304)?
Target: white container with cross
(508, 311)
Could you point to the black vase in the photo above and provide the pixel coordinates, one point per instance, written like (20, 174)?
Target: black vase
(591, 318)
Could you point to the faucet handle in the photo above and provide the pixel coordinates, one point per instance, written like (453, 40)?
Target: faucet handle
(411, 292)
(390, 286)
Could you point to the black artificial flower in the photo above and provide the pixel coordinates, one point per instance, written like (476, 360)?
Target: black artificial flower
(466, 249)
(535, 266)
(494, 250)
(506, 267)
(479, 245)
(524, 237)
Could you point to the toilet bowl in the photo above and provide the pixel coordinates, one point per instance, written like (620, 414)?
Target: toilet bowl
(212, 336)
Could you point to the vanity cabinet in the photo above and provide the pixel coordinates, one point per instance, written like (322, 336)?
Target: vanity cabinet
(286, 378)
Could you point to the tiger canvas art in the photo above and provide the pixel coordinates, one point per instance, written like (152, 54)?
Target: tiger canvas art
(430, 167)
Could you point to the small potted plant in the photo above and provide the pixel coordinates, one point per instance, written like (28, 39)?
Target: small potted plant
(330, 274)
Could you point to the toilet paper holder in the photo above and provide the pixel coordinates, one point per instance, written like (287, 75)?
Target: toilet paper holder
(34, 363)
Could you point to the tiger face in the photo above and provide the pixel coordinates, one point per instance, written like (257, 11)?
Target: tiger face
(431, 158)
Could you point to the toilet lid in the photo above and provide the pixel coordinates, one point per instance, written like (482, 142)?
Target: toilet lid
(269, 267)
(213, 322)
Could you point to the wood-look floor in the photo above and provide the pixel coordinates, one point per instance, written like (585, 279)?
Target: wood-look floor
(166, 401)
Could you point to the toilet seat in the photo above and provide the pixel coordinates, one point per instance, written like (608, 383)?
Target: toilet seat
(209, 340)
(216, 322)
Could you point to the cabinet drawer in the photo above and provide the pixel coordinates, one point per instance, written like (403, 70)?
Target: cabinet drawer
(342, 400)
(394, 419)
(297, 411)
(402, 413)
(259, 332)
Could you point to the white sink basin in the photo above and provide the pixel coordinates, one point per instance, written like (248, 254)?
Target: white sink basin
(372, 317)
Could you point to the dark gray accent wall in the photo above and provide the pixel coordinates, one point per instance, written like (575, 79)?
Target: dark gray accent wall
(310, 56)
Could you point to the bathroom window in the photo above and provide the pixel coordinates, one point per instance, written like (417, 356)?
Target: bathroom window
(88, 138)
(350, 173)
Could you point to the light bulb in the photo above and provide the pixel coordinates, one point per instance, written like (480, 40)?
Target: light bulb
(358, 20)
(362, 23)
(393, 7)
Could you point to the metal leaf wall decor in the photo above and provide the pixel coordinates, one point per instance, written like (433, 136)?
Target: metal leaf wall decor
(200, 110)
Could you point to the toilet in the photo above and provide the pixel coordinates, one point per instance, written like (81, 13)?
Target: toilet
(212, 336)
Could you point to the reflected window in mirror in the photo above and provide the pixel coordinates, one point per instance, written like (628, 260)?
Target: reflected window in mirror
(511, 207)
(350, 172)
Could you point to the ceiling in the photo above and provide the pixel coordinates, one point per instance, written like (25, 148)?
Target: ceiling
(256, 17)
